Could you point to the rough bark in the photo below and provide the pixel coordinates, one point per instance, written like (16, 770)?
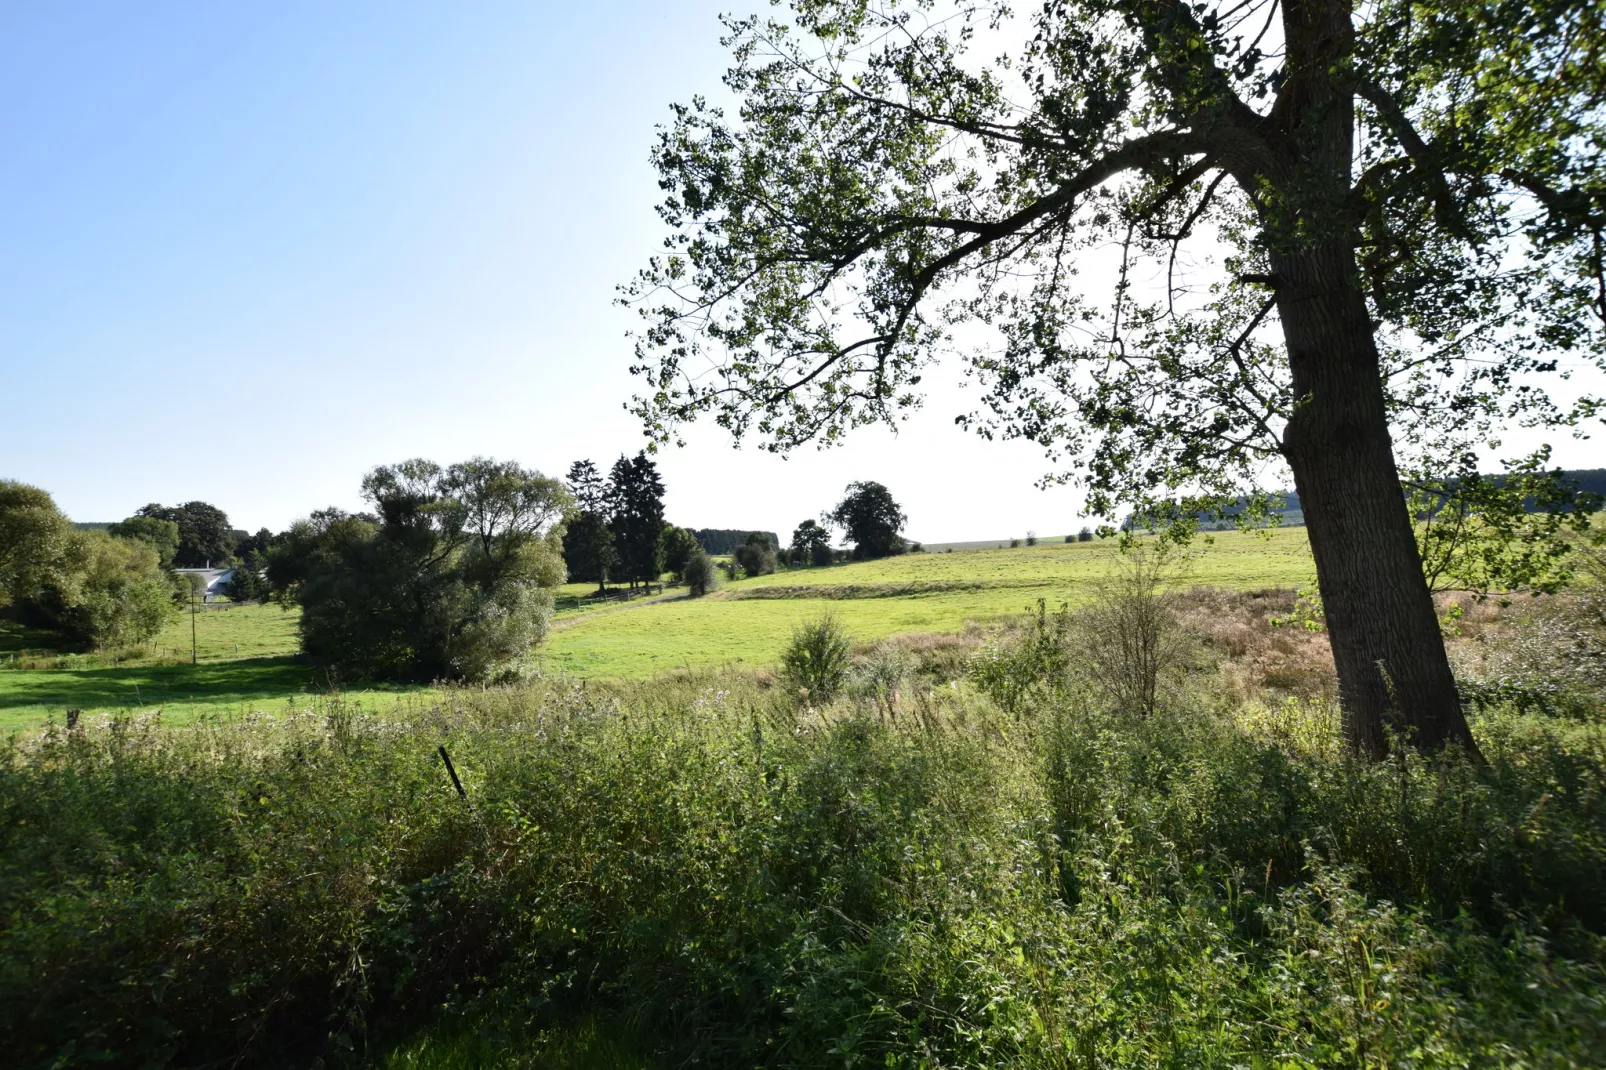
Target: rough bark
(1387, 647)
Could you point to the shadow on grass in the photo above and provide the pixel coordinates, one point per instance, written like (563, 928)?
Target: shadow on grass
(28, 695)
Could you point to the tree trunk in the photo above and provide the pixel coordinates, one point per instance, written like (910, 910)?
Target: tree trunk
(1387, 647)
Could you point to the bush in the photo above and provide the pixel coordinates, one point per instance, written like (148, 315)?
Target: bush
(1129, 639)
(688, 865)
(1031, 664)
(119, 595)
(453, 582)
(816, 662)
(1085, 535)
(881, 675)
(701, 576)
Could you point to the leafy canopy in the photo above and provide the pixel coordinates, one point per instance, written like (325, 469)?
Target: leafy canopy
(1089, 219)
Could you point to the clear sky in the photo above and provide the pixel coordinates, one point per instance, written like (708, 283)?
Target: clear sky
(249, 251)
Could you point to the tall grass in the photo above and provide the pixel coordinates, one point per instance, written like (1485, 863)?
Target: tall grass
(694, 869)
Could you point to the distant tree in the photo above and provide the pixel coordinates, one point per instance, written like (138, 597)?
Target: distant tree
(757, 557)
(811, 544)
(701, 576)
(1085, 535)
(638, 517)
(118, 595)
(504, 509)
(88, 586)
(204, 535)
(33, 540)
(678, 546)
(719, 541)
(588, 549)
(1014, 544)
(452, 579)
(871, 519)
(1031, 538)
(258, 544)
(160, 535)
(588, 544)
(590, 489)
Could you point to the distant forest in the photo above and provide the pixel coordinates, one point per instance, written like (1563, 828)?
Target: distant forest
(726, 540)
(1292, 514)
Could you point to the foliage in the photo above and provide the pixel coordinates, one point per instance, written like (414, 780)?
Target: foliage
(871, 519)
(591, 491)
(678, 545)
(1507, 533)
(720, 541)
(1029, 666)
(453, 581)
(88, 586)
(1085, 535)
(636, 498)
(588, 548)
(160, 535)
(1129, 640)
(815, 664)
(117, 593)
(204, 536)
(740, 887)
(34, 536)
(701, 576)
(811, 544)
(757, 556)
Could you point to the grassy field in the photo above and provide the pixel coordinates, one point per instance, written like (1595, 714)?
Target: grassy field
(747, 622)
(246, 651)
(245, 665)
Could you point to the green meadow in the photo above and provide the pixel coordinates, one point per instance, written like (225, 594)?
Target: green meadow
(246, 653)
(748, 621)
(245, 664)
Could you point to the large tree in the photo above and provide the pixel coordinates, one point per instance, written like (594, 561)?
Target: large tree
(1345, 239)
(637, 498)
(451, 580)
(204, 536)
(871, 519)
(588, 547)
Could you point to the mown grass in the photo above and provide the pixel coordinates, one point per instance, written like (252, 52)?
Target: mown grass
(697, 871)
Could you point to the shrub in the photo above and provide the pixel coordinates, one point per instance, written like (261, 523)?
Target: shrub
(687, 864)
(815, 663)
(1129, 639)
(1031, 538)
(701, 576)
(1085, 535)
(1032, 663)
(453, 581)
(881, 675)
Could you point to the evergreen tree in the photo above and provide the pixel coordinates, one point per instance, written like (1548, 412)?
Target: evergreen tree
(638, 517)
(588, 546)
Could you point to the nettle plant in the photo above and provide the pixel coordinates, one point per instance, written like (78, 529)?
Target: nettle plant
(1346, 243)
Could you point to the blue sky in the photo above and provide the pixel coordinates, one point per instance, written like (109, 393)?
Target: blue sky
(249, 251)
